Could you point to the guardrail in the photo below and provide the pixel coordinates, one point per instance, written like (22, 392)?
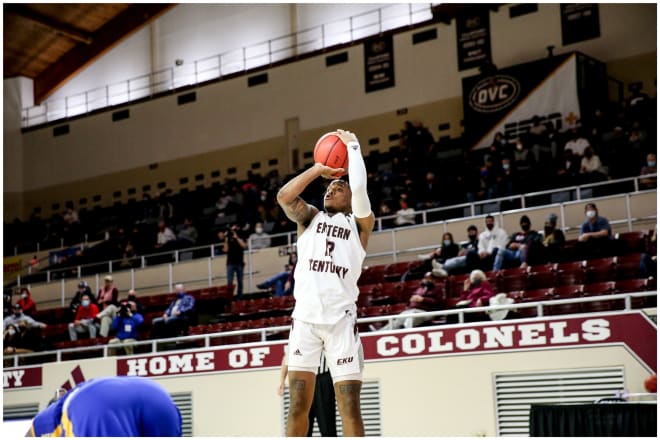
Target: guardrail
(264, 332)
(216, 67)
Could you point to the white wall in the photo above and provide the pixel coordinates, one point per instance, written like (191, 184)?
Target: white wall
(229, 113)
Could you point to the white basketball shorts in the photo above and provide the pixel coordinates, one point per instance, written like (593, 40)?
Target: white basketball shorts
(340, 342)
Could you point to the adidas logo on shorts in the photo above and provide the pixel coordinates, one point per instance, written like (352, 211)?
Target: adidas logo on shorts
(297, 352)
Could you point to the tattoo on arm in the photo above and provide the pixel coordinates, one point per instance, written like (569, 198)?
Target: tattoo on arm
(299, 211)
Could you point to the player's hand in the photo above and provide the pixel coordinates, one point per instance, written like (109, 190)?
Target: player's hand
(280, 389)
(346, 136)
(328, 172)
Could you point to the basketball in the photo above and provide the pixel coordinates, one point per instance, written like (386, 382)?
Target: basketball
(331, 151)
(651, 384)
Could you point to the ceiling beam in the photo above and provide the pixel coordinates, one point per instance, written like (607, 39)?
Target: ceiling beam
(49, 23)
(109, 35)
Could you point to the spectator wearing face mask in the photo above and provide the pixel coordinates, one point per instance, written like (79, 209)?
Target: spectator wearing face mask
(518, 249)
(477, 291)
(491, 241)
(17, 316)
(259, 239)
(26, 302)
(650, 168)
(595, 233)
(553, 241)
(437, 258)
(21, 339)
(84, 320)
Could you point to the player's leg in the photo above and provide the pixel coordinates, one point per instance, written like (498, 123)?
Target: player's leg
(324, 404)
(303, 360)
(343, 351)
(301, 392)
(347, 393)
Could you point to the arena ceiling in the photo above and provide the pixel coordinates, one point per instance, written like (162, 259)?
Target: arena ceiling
(51, 42)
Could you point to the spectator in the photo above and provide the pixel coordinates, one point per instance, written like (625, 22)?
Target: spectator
(649, 261)
(477, 292)
(428, 192)
(188, 234)
(518, 248)
(404, 215)
(523, 160)
(467, 259)
(590, 167)
(17, 316)
(83, 288)
(448, 249)
(259, 239)
(424, 299)
(552, 241)
(567, 170)
(283, 281)
(176, 319)
(126, 323)
(26, 302)
(491, 241)
(108, 293)
(651, 167)
(576, 142)
(234, 246)
(34, 264)
(23, 340)
(133, 302)
(165, 235)
(10, 338)
(595, 234)
(84, 320)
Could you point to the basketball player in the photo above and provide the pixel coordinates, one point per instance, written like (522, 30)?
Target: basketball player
(122, 406)
(331, 248)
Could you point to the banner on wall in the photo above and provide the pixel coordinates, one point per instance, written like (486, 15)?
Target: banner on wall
(473, 39)
(21, 378)
(507, 100)
(378, 63)
(579, 22)
(12, 267)
(632, 330)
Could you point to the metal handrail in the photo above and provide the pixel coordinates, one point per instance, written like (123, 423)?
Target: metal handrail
(183, 76)
(539, 305)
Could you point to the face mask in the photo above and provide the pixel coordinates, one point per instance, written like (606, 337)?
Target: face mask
(525, 227)
(548, 230)
(18, 313)
(472, 237)
(23, 295)
(131, 297)
(651, 163)
(476, 282)
(11, 331)
(591, 214)
(446, 242)
(85, 303)
(259, 230)
(505, 166)
(490, 226)
(588, 155)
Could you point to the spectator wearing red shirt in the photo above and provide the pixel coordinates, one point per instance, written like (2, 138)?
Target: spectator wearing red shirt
(26, 302)
(477, 291)
(84, 320)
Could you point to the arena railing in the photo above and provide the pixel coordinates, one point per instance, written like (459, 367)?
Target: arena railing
(288, 239)
(166, 344)
(215, 67)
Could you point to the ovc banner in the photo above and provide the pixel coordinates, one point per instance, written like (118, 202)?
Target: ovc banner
(378, 63)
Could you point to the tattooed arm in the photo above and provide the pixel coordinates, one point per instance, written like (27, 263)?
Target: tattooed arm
(295, 208)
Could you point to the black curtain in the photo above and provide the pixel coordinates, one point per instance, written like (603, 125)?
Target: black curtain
(594, 420)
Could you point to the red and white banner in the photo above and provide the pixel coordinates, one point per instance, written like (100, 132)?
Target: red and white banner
(21, 378)
(632, 330)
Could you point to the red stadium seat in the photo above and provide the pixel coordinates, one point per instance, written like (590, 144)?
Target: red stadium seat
(600, 269)
(541, 276)
(509, 280)
(372, 274)
(628, 266)
(630, 242)
(570, 273)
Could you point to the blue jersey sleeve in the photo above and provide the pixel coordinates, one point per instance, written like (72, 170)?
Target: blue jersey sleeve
(48, 422)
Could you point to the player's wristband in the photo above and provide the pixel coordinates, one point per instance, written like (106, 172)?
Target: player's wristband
(353, 145)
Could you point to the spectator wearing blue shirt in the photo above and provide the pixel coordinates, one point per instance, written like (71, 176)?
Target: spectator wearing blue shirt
(125, 324)
(176, 319)
(123, 406)
(595, 234)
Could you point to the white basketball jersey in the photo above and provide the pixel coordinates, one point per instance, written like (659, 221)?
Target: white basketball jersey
(330, 257)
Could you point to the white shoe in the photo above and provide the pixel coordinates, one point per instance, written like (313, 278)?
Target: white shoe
(436, 265)
(439, 273)
(423, 256)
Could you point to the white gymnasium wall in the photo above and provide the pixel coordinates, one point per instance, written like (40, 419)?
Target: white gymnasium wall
(428, 397)
(160, 130)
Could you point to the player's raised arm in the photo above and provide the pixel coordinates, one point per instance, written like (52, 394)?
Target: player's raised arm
(357, 180)
(289, 198)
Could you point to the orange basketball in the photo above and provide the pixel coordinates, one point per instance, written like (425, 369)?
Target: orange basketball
(651, 384)
(331, 151)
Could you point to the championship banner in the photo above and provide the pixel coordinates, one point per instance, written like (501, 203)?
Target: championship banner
(378, 63)
(21, 378)
(632, 330)
(579, 22)
(12, 267)
(507, 100)
(473, 39)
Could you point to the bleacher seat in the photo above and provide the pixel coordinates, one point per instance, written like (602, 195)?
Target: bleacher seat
(372, 274)
(568, 273)
(541, 276)
(628, 266)
(630, 242)
(600, 269)
(509, 280)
